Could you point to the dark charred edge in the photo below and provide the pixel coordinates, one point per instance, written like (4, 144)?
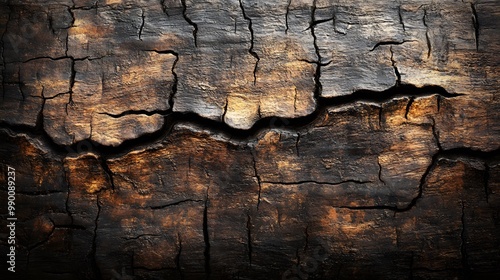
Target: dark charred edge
(317, 75)
(175, 203)
(252, 38)
(142, 24)
(463, 245)
(317, 182)
(400, 15)
(188, 20)
(475, 24)
(249, 238)
(174, 118)
(93, 252)
(427, 38)
(206, 238)
(286, 15)
(178, 257)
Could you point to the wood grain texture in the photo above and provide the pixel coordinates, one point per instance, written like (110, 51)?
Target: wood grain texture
(242, 139)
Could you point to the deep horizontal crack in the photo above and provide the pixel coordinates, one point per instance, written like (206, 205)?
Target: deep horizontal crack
(64, 57)
(136, 112)
(390, 43)
(317, 182)
(174, 118)
(175, 203)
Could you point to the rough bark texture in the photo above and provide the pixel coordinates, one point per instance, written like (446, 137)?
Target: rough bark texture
(249, 139)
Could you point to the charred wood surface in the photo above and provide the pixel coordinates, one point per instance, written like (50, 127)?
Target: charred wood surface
(248, 139)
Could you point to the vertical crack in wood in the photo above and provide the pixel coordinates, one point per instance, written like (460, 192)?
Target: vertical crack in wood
(142, 24)
(258, 179)
(178, 257)
(71, 85)
(252, 38)
(286, 15)
(429, 47)
(475, 24)
(176, 81)
(317, 74)
(396, 70)
(408, 106)
(400, 15)
(188, 20)
(107, 171)
(380, 172)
